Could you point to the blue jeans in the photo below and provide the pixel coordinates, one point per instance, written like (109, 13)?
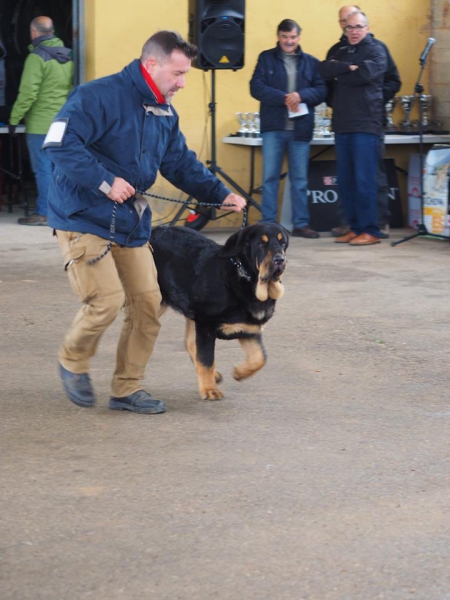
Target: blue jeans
(42, 169)
(357, 166)
(383, 192)
(275, 144)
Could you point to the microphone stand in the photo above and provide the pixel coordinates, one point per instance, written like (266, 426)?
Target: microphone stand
(421, 227)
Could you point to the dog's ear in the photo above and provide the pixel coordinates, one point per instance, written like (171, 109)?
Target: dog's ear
(286, 233)
(234, 243)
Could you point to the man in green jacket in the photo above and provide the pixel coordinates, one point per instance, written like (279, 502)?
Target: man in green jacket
(44, 86)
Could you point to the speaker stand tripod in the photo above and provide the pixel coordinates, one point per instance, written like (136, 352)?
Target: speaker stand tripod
(421, 227)
(214, 168)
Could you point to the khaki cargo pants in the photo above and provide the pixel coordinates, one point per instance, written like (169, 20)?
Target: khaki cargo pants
(124, 278)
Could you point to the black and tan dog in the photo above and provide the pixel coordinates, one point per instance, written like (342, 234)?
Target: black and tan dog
(226, 292)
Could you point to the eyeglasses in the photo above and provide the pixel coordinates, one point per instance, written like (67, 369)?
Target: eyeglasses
(357, 27)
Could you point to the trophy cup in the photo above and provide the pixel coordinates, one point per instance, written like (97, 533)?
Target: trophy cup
(425, 104)
(318, 121)
(257, 124)
(242, 118)
(389, 107)
(251, 124)
(326, 122)
(407, 103)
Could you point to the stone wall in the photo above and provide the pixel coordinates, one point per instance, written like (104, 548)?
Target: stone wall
(439, 64)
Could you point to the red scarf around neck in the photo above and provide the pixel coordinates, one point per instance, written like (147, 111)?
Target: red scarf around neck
(152, 85)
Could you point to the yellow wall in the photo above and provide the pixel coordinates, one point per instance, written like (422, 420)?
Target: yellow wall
(116, 31)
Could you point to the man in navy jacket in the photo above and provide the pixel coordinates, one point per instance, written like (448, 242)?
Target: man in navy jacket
(356, 73)
(287, 83)
(109, 140)
(391, 85)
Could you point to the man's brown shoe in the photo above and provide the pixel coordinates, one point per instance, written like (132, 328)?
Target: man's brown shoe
(365, 239)
(341, 230)
(305, 232)
(345, 239)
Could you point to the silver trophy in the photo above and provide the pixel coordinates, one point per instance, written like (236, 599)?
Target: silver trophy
(322, 121)
(407, 104)
(257, 120)
(251, 124)
(425, 105)
(242, 117)
(389, 107)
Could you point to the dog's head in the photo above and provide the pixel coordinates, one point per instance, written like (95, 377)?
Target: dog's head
(261, 249)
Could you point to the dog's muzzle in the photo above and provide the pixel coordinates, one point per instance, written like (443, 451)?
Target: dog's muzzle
(279, 264)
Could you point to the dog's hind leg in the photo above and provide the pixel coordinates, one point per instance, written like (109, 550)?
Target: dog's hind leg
(191, 347)
(255, 355)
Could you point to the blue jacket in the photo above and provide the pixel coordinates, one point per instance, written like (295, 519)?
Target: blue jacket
(391, 82)
(357, 96)
(269, 85)
(115, 128)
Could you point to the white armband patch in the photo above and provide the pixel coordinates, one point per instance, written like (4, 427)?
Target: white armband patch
(56, 133)
(105, 187)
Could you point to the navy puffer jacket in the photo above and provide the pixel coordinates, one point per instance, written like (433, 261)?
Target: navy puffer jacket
(357, 96)
(269, 85)
(116, 128)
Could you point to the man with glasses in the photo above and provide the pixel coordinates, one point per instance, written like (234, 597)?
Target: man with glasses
(356, 73)
(391, 85)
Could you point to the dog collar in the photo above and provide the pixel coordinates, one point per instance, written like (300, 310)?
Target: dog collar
(242, 272)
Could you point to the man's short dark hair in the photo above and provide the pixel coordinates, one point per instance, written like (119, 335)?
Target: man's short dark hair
(289, 25)
(161, 45)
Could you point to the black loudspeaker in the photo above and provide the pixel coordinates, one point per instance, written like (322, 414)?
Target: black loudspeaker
(216, 27)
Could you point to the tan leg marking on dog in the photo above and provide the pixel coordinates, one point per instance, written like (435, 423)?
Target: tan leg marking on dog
(191, 347)
(254, 359)
(189, 339)
(231, 328)
(207, 383)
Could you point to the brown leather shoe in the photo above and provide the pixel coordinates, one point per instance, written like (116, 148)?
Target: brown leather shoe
(305, 232)
(341, 230)
(345, 239)
(365, 239)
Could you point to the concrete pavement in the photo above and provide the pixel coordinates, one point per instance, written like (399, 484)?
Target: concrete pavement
(324, 477)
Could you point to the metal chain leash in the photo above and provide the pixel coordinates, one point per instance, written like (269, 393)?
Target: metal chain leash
(112, 231)
(112, 227)
(211, 204)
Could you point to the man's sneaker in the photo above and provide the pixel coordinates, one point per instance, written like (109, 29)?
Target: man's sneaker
(384, 232)
(341, 230)
(33, 219)
(78, 387)
(139, 402)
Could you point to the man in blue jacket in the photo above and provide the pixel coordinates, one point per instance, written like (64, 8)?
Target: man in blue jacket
(287, 83)
(356, 73)
(391, 85)
(109, 140)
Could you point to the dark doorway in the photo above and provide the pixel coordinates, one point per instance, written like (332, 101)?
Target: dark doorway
(15, 19)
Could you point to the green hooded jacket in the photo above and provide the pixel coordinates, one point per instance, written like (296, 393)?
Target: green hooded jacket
(45, 84)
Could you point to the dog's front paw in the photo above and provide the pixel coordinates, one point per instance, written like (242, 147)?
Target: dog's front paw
(211, 394)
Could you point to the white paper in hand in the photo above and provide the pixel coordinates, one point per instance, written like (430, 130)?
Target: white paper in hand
(302, 110)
